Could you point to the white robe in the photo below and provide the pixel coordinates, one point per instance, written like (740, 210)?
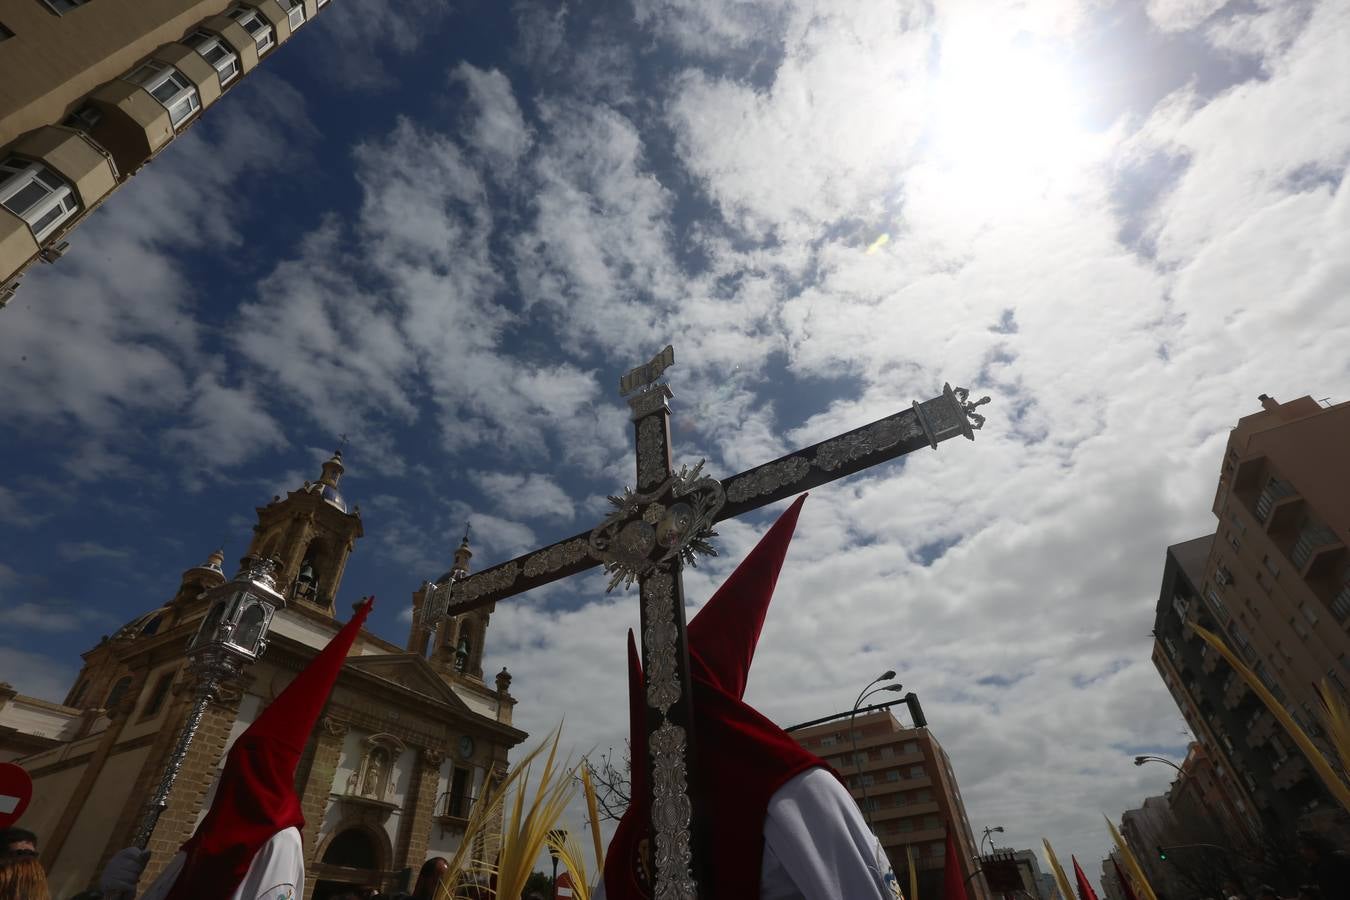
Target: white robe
(277, 872)
(817, 846)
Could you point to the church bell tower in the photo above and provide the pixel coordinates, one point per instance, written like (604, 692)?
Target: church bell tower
(457, 641)
(310, 534)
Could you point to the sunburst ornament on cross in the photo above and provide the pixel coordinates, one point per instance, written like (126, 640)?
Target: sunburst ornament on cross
(656, 528)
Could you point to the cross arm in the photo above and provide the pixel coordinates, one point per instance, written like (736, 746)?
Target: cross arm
(924, 424)
(928, 423)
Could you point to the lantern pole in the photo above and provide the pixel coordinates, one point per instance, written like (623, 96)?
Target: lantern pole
(218, 653)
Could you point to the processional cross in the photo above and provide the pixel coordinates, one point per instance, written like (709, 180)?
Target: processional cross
(648, 537)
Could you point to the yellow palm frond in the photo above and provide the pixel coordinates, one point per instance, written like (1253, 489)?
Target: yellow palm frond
(1131, 863)
(1060, 878)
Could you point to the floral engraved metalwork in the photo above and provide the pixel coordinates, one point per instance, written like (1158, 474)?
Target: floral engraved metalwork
(653, 513)
(630, 546)
(651, 451)
(864, 442)
(551, 559)
(767, 479)
(672, 815)
(435, 601)
(486, 582)
(659, 639)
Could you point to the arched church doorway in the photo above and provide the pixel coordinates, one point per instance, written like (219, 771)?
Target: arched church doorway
(350, 862)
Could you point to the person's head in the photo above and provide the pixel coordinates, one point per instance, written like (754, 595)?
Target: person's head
(18, 841)
(23, 878)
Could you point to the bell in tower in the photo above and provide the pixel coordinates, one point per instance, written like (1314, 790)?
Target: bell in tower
(310, 533)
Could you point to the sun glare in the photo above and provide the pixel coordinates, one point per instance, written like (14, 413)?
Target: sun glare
(1004, 122)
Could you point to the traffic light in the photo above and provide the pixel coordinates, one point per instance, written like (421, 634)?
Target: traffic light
(1162, 853)
(915, 710)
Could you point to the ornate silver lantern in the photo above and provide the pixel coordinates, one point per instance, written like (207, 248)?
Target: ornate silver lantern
(234, 630)
(233, 633)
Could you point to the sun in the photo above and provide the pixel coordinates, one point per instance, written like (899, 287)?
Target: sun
(1004, 122)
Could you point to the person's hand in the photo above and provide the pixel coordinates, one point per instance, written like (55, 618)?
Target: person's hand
(123, 871)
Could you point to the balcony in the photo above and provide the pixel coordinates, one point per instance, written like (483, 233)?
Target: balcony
(452, 811)
(1289, 772)
(1235, 690)
(1274, 495)
(1314, 542)
(1260, 727)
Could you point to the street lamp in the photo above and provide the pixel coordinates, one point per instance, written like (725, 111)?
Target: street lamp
(556, 838)
(853, 735)
(232, 634)
(989, 836)
(1140, 760)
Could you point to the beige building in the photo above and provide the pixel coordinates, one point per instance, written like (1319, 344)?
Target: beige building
(912, 798)
(404, 747)
(91, 90)
(1274, 580)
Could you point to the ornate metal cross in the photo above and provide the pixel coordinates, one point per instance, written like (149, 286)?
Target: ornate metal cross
(651, 533)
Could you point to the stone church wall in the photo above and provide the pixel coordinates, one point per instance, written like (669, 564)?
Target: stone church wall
(78, 863)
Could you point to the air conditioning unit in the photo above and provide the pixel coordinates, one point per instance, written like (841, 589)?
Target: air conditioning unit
(7, 291)
(54, 252)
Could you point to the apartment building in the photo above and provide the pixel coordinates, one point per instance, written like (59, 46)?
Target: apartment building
(92, 90)
(1274, 580)
(903, 780)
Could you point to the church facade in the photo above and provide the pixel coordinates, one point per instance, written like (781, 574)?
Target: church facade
(407, 743)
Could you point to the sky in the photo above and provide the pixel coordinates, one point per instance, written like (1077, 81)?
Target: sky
(445, 229)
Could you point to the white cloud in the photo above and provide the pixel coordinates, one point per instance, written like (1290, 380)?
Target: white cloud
(74, 551)
(52, 618)
(226, 425)
(499, 131)
(1181, 15)
(530, 496)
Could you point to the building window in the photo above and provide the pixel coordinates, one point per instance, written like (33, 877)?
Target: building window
(893, 775)
(62, 6)
(923, 795)
(157, 696)
(295, 12)
(1216, 604)
(910, 747)
(1340, 607)
(85, 119)
(917, 772)
(460, 800)
(215, 51)
(827, 741)
(170, 87)
(37, 195)
(1298, 627)
(119, 690)
(1308, 613)
(254, 23)
(937, 848)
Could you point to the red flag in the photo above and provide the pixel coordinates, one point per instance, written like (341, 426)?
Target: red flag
(1085, 891)
(953, 882)
(1124, 882)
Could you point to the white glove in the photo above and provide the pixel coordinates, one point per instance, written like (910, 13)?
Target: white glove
(123, 871)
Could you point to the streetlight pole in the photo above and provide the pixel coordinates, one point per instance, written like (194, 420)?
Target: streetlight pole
(556, 838)
(232, 634)
(853, 735)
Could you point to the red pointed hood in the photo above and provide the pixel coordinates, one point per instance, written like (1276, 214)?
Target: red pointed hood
(255, 798)
(724, 633)
(1085, 891)
(953, 882)
(741, 758)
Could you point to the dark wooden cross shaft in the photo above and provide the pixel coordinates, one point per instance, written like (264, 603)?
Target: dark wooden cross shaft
(651, 533)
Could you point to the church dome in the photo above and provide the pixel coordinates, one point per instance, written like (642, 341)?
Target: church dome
(144, 625)
(332, 495)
